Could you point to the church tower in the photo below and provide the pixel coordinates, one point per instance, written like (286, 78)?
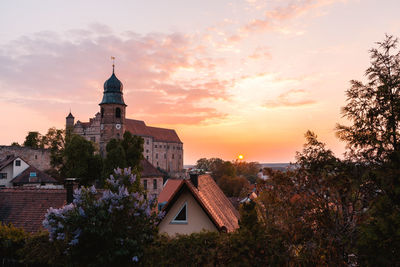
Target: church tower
(112, 111)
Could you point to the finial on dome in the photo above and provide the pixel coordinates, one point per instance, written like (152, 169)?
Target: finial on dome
(113, 65)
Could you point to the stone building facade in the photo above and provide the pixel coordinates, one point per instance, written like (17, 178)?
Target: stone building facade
(162, 147)
(38, 158)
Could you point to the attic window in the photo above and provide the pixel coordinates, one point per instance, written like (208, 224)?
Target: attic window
(17, 162)
(32, 174)
(181, 217)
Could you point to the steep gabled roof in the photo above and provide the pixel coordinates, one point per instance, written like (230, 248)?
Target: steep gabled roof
(210, 197)
(26, 208)
(5, 162)
(149, 170)
(41, 177)
(137, 127)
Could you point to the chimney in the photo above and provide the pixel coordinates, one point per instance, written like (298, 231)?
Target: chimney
(194, 178)
(69, 185)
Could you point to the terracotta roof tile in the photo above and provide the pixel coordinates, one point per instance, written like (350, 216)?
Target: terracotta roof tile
(137, 127)
(149, 170)
(26, 208)
(41, 177)
(217, 206)
(171, 185)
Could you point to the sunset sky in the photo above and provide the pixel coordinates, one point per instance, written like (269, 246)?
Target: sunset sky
(231, 77)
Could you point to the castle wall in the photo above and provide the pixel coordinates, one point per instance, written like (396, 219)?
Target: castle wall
(38, 158)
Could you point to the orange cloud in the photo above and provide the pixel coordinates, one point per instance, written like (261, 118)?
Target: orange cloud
(291, 98)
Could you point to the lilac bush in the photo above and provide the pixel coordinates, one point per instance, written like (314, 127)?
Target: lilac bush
(106, 227)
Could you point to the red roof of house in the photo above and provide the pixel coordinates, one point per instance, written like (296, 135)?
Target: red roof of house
(137, 127)
(25, 177)
(171, 185)
(210, 197)
(149, 170)
(26, 207)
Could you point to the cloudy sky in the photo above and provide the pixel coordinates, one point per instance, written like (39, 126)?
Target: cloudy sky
(245, 76)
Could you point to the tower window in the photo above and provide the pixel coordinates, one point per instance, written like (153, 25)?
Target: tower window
(118, 113)
(102, 112)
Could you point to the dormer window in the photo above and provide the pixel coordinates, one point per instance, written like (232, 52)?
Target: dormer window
(118, 113)
(181, 216)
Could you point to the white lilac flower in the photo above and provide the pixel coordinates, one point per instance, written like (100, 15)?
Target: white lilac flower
(93, 189)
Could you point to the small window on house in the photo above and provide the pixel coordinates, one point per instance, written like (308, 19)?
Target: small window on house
(102, 112)
(181, 216)
(93, 139)
(32, 174)
(147, 157)
(156, 155)
(155, 146)
(147, 151)
(3, 175)
(173, 156)
(157, 163)
(35, 156)
(165, 156)
(145, 184)
(154, 183)
(118, 113)
(167, 147)
(147, 141)
(17, 162)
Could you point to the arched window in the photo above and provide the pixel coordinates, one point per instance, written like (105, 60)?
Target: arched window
(102, 112)
(118, 113)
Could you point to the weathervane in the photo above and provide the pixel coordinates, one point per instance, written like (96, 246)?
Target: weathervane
(113, 59)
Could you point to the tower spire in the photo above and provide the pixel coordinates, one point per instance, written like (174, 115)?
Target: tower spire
(113, 65)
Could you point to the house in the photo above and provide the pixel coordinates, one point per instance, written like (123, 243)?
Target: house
(195, 205)
(151, 179)
(14, 171)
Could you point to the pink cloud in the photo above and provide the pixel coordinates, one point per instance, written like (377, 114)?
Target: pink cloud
(51, 73)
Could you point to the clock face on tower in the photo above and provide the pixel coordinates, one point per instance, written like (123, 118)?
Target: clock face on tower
(118, 126)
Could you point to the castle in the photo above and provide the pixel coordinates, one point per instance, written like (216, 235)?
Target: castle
(162, 147)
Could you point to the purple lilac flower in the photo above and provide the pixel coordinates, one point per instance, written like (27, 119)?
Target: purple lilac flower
(135, 259)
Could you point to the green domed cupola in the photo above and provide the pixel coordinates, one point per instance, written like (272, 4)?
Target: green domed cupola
(113, 91)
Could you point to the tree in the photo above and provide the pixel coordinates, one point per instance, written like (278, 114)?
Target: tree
(127, 152)
(15, 144)
(34, 140)
(374, 107)
(80, 161)
(110, 230)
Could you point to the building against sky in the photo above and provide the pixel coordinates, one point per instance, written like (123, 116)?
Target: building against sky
(162, 147)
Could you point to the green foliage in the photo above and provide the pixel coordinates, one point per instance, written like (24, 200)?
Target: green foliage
(374, 107)
(39, 251)
(33, 140)
(15, 144)
(127, 152)
(11, 240)
(233, 186)
(80, 160)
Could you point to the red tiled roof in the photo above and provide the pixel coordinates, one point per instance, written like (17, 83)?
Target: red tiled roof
(210, 197)
(26, 208)
(137, 127)
(169, 189)
(41, 177)
(149, 170)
